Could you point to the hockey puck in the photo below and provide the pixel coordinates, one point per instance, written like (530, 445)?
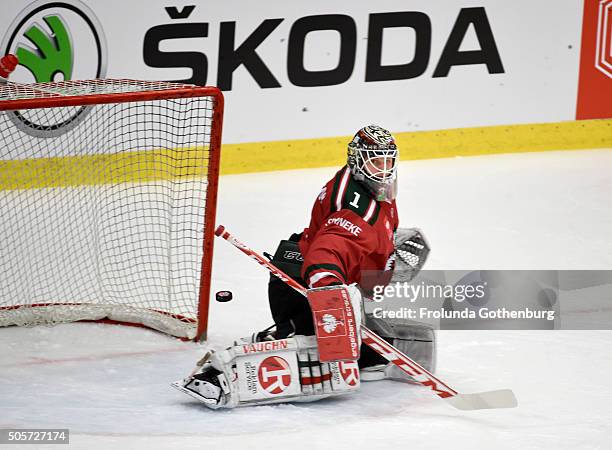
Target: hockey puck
(223, 296)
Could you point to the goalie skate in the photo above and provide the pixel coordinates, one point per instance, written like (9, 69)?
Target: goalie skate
(207, 390)
(206, 383)
(209, 394)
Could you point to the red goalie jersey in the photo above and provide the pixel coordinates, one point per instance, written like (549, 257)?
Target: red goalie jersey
(350, 236)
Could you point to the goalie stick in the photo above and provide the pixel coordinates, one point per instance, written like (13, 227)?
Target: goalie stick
(503, 398)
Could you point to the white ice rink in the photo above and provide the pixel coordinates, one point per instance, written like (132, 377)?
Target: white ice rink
(110, 384)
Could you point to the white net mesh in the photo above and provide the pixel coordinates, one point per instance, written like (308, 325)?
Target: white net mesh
(18, 91)
(103, 207)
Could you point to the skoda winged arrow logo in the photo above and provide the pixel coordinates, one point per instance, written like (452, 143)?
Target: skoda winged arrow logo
(55, 41)
(53, 54)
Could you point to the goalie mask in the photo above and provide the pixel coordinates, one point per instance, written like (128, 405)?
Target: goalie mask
(372, 158)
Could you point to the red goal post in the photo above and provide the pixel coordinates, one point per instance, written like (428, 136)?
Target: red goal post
(108, 192)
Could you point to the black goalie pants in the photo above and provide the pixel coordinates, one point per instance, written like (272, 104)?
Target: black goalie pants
(290, 310)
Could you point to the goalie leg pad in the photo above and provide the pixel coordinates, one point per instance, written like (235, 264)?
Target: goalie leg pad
(415, 339)
(286, 370)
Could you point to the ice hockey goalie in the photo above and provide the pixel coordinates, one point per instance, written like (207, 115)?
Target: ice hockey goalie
(352, 244)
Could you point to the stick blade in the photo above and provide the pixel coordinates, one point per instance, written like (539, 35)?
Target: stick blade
(503, 398)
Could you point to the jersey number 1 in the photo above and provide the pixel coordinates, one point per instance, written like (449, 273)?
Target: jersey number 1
(355, 202)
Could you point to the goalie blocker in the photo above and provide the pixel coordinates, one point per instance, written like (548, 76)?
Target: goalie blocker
(336, 314)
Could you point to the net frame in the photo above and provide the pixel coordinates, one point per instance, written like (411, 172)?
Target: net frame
(16, 96)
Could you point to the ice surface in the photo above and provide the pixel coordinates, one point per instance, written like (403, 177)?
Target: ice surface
(110, 384)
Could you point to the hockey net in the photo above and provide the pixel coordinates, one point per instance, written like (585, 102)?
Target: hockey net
(107, 203)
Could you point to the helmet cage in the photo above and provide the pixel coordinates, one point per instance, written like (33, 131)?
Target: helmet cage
(375, 163)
